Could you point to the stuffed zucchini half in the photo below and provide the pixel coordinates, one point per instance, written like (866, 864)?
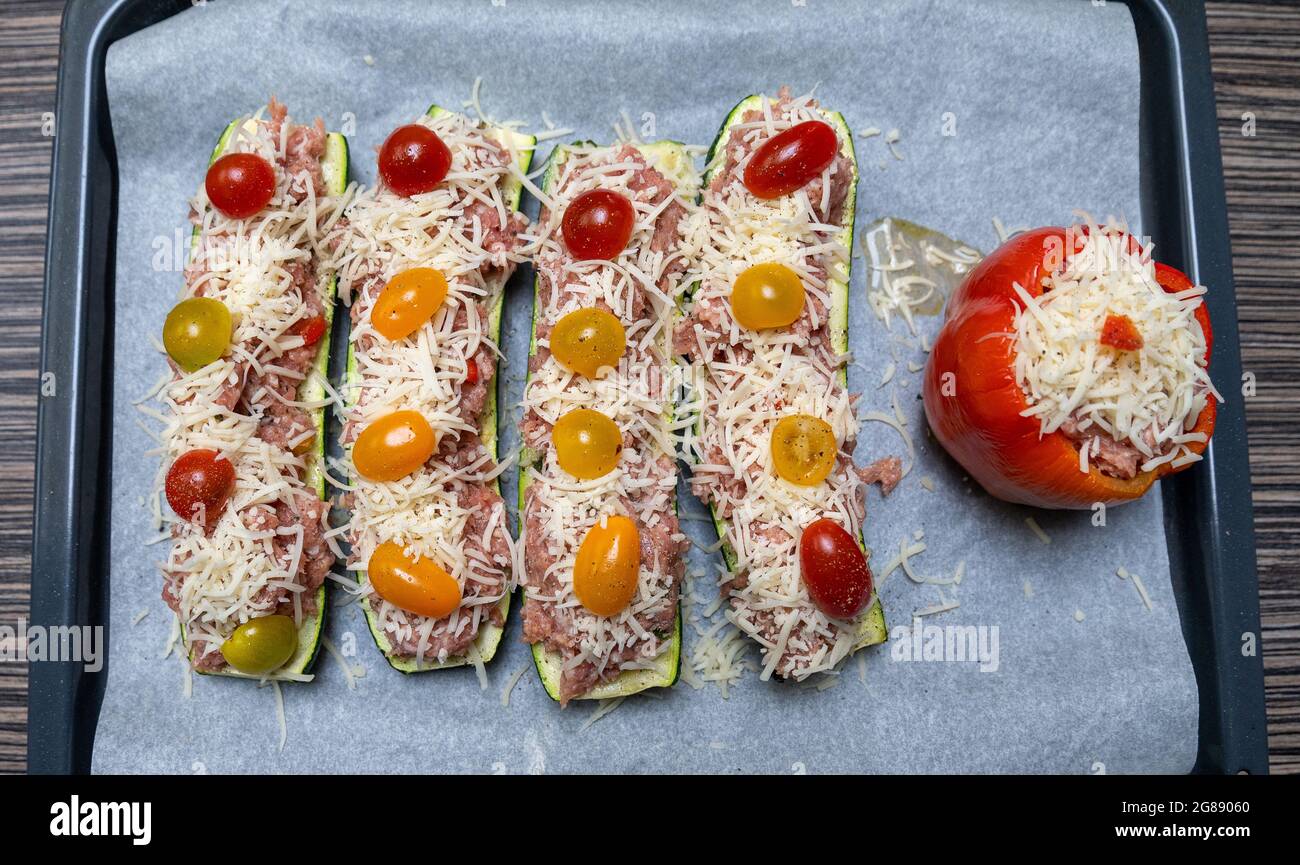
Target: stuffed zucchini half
(598, 474)
(426, 268)
(767, 336)
(244, 436)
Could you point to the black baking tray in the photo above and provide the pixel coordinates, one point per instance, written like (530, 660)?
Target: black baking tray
(1209, 521)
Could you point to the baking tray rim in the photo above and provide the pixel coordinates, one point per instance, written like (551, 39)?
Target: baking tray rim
(1209, 516)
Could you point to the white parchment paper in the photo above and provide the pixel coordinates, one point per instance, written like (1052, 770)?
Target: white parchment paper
(1042, 97)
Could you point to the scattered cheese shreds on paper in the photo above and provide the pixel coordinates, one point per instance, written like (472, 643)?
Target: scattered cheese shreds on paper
(601, 710)
(510, 686)
(1037, 530)
(1141, 588)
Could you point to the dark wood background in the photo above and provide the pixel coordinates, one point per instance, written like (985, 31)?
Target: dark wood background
(1255, 50)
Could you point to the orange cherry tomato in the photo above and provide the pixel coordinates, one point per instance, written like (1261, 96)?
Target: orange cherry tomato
(393, 446)
(803, 449)
(587, 340)
(609, 561)
(767, 296)
(791, 159)
(240, 184)
(415, 585)
(597, 225)
(409, 299)
(834, 569)
(413, 160)
(587, 443)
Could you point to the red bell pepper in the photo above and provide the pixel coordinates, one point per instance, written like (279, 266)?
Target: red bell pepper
(975, 412)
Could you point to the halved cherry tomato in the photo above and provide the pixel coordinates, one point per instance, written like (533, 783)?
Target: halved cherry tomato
(310, 329)
(1119, 331)
(766, 296)
(597, 225)
(409, 299)
(791, 159)
(834, 569)
(471, 371)
(415, 585)
(199, 484)
(393, 446)
(803, 449)
(197, 332)
(261, 645)
(587, 443)
(413, 160)
(609, 561)
(587, 340)
(240, 184)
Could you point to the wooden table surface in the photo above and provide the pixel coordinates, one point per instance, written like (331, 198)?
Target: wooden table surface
(1255, 51)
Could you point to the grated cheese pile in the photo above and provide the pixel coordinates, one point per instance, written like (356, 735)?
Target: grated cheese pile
(745, 381)
(641, 287)
(449, 510)
(1113, 402)
(264, 554)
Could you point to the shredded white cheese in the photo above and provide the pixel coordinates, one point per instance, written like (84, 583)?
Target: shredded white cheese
(1147, 399)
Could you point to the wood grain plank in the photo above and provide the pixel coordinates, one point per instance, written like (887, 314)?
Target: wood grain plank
(1255, 58)
(29, 54)
(1255, 51)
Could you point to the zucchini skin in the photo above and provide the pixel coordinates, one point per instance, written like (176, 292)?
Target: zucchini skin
(873, 629)
(490, 636)
(547, 663)
(336, 166)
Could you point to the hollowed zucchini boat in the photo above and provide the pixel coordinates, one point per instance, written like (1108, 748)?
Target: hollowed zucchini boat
(489, 636)
(334, 168)
(871, 627)
(672, 158)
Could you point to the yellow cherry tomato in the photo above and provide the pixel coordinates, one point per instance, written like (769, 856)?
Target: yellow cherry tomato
(261, 645)
(803, 449)
(587, 443)
(393, 446)
(767, 296)
(408, 300)
(415, 585)
(197, 332)
(587, 340)
(609, 560)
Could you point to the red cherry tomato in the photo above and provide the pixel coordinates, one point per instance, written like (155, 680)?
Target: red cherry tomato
(471, 372)
(310, 329)
(1119, 331)
(597, 225)
(834, 569)
(240, 184)
(199, 484)
(413, 160)
(790, 159)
